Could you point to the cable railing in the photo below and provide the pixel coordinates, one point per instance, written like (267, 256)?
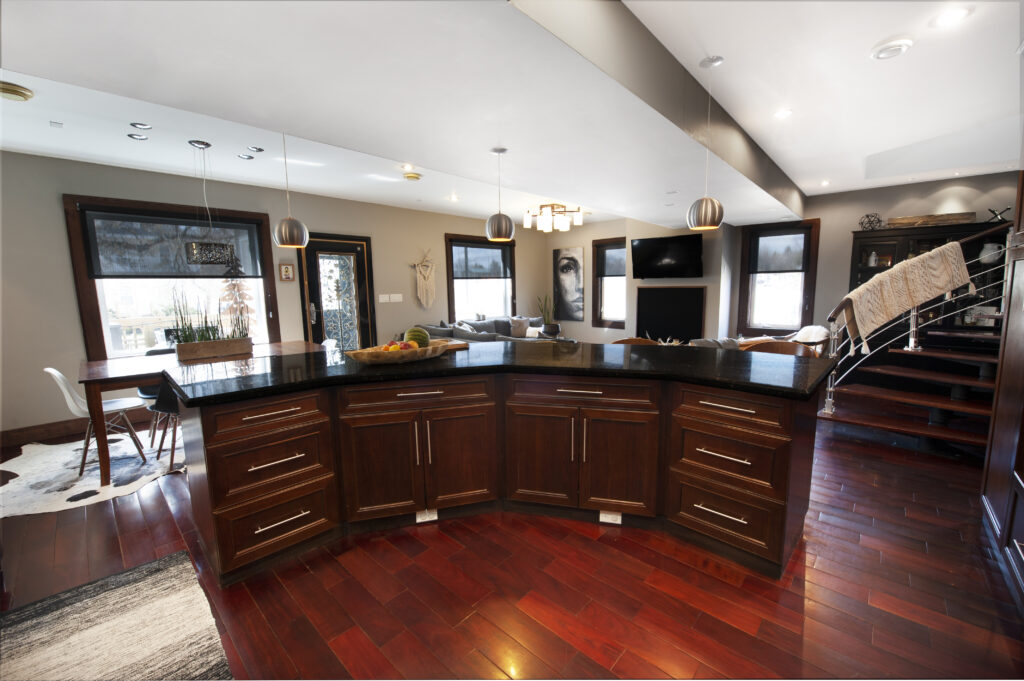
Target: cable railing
(839, 319)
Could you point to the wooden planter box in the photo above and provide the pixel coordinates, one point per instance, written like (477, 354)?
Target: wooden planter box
(228, 347)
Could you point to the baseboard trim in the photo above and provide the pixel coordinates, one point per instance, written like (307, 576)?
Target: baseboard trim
(61, 430)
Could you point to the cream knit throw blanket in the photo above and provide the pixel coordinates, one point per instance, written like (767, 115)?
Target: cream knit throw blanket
(909, 283)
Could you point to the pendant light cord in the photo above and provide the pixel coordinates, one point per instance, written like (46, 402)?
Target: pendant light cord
(707, 149)
(287, 189)
(206, 203)
(499, 183)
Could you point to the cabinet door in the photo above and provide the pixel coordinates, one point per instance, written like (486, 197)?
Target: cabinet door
(461, 465)
(619, 460)
(381, 463)
(540, 452)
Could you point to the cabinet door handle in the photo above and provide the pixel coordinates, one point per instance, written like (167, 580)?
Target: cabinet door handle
(1020, 551)
(274, 463)
(719, 513)
(416, 436)
(584, 439)
(579, 392)
(271, 413)
(425, 392)
(726, 406)
(298, 515)
(572, 439)
(745, 462)
(430, 457)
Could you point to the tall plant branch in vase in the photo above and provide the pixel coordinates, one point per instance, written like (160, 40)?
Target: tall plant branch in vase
(201, 337)
(547, 313)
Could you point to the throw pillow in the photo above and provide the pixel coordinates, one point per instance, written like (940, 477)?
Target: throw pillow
(464, 326)
(503, 326)
(536, 321)
(519, 326)
(532, 332)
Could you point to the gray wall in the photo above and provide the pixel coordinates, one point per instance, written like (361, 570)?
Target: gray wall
(840, 212)
(39, 323)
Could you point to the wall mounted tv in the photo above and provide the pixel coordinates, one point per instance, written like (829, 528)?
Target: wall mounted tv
(670, 256)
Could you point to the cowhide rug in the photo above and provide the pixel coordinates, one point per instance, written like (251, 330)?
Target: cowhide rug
(47, 475)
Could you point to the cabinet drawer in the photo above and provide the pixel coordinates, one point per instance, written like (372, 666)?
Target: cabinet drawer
(395, 396)
(744, 521)
(752, 461)
(579, 390)
(269, 524)
(245, 469)
(251, 417)
(727, 406)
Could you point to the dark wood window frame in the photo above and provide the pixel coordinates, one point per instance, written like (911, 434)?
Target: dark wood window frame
(449, 239)
(750, 233)
(596, 319)
(85, 289)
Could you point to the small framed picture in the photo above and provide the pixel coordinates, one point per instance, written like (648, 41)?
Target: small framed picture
(286, 272)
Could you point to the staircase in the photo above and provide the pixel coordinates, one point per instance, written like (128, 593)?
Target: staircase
(937, 389)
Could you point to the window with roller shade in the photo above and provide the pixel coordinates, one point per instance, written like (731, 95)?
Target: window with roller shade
(609, 258)
(777, 278)
(131, 259)
(481, 277)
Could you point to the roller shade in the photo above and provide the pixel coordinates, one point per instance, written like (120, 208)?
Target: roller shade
(611, 261)
(780, 253)
(476, 261)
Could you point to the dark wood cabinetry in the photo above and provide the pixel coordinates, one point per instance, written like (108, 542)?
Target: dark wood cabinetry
(397, 460)
(572, 442)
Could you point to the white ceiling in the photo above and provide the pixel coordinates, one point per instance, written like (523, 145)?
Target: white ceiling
(361, 87)
(951, 104)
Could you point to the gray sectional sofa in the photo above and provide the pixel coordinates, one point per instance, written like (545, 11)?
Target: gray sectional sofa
(493, 329)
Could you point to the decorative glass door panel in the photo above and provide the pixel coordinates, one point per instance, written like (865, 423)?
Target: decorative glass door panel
(337, 290)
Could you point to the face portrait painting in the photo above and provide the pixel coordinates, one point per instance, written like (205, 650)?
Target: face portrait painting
(568, 283)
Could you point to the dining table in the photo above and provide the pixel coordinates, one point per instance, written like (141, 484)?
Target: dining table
(118, 373)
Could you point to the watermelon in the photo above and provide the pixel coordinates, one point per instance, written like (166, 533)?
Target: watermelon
(419, 335)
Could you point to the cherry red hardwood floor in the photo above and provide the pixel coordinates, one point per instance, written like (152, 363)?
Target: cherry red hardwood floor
(893, 579)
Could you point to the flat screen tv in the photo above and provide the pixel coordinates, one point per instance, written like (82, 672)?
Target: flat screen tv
(670, 256)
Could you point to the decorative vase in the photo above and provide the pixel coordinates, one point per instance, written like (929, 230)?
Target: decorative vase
(551, 329)
(226, 347)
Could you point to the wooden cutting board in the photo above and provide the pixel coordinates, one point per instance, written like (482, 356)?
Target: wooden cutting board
(454, 346)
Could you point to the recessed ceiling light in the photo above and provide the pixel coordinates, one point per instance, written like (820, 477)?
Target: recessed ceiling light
(406, 167)
(141, 126)
(674, 191)
(412, 176)
(825, 183)
(957, 174)
(782, 114)
(56, 124)
(669, 204)
(453, 198)
(711, 62)
(246, 157)
(891, 48)
(951, 16)
(198, 144)
(15, 92)
(137, 136)
(254, 149)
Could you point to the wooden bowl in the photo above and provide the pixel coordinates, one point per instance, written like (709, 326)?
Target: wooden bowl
(377, 355)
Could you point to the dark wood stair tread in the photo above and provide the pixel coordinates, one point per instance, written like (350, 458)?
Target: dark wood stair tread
(972, 335)
(919, 399)
(903, 425)
(952, 355)
(930, 376)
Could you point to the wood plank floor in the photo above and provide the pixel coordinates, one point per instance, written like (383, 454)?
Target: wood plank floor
(893, 579)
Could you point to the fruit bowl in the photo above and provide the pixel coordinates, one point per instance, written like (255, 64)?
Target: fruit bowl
(378, 355)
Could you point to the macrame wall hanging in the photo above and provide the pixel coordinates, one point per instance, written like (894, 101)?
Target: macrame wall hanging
(425, 280)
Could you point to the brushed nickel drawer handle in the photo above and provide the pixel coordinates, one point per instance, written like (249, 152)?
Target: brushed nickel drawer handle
(724, 515)
(282, 522)
(726, 406)
(579, 392)
(416, 436)
(430, 456)
(572, 439)
(745, 462)
(1020, 551)
(271, 413)
(274, 463)
(426, 392)
(584, 448)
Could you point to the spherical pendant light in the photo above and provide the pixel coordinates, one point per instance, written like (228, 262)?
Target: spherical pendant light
(289, 232)
(500, 227)
(705, 214)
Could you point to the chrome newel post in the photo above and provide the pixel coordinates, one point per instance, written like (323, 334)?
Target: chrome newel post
(912, 343)
(833, 350)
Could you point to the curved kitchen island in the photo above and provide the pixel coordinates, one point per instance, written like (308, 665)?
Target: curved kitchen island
(713, 445)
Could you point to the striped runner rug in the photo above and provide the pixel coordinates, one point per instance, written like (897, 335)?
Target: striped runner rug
(151, 622)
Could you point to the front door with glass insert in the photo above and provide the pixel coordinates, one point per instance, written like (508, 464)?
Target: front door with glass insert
(337, 291)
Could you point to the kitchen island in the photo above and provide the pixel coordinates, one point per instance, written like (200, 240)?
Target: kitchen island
(715, 445)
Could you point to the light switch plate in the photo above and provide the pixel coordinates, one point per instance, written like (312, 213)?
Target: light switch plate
(426, 516)
(396, 297)
(609, 517)
(383, 298)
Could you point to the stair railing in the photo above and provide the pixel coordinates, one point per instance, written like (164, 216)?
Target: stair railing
(844, 311)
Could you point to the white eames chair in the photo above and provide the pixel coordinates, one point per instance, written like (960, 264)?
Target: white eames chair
(117, 407)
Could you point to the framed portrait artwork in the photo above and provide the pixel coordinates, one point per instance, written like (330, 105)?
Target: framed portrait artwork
(568, 283)
(286, 272)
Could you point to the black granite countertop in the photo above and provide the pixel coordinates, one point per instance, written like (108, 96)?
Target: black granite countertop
(757, 372)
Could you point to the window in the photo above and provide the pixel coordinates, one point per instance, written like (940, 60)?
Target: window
(132, 259)
(779, 263)
(481, 277)
(609, 257)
